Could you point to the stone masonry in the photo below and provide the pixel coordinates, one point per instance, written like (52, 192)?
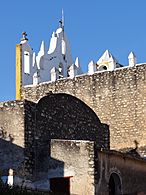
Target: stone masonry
(58, 116)
(11, 135)
(131, 171)
(117, 97)
(78, 164)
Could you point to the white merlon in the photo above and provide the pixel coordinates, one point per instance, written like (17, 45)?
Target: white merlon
(34, 59)
(72, 71)
(41, 53)
(57, 63)
(53, 43)
(112, 63)
(54, 74)
(105, 57)
(77, 63)
(91, 68)
(42, 48)
(107, 62)
(36, 78)
(132, 59)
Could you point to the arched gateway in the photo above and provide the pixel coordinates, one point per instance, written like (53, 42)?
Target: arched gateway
(62, 116)
(115, 186)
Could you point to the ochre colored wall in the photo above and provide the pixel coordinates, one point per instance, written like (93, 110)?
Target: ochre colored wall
(18, 71)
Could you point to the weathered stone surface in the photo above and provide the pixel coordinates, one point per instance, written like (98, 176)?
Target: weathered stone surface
(131, 171)
(11, 135)
(58, 134)
(75, 156)
(117, 97)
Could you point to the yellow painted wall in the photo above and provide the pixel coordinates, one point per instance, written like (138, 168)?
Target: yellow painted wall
(18, 72)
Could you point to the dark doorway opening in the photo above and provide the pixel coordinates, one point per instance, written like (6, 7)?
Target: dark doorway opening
(60, 185)
(115, 185)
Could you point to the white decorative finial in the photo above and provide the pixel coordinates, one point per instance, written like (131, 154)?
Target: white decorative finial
(62, 21)
(36, 78)
(62, 18)
(91, 67)
(77, 62)
(42, 48)
(54, 74)
(132, 59)
(24, 36)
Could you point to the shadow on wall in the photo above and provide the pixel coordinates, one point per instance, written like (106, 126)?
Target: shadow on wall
(55, 116)
(135, 152)
(37, 146)
(11, 156)
(62, 116)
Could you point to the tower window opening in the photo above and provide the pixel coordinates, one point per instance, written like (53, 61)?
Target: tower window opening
(60, 70)
(68, 71)
(104, 68)
(64, 57)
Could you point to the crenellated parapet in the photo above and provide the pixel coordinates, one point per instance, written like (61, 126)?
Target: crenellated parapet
(56, 62)
(117, 97)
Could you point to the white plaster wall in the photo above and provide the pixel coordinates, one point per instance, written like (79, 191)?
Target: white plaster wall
(43, 62)
(27, 78)
(55, 56)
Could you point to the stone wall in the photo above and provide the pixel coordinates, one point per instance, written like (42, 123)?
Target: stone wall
(117, 97)
(62, 116)
(11, 135)
(57, 116)
(30, 139)
(131, 172)
(26, 130)
(31, 126)
(78, 158)
(17, 121)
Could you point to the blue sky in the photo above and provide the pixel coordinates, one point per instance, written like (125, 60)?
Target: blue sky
(92, 27)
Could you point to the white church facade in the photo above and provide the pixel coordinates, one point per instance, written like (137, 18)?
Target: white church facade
(57, 62)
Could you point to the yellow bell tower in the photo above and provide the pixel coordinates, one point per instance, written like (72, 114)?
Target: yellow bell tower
(18, 71)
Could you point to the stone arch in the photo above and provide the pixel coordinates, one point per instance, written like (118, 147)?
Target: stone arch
(67, 117)
(115, 184)
(63, 116)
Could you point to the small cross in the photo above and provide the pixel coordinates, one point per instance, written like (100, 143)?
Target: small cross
(24, 36)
